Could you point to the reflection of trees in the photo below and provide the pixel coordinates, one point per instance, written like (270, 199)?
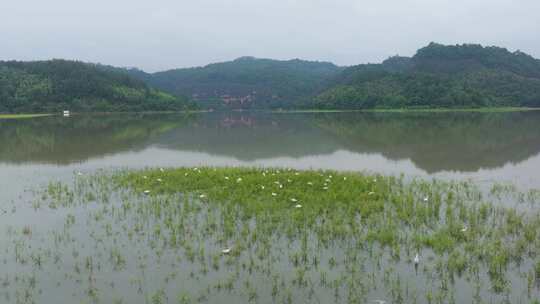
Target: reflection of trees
(433, 141)
(250, 136)
(440, 141)
(65, 140)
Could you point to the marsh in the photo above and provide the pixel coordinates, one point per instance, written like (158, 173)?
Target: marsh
(288, 207)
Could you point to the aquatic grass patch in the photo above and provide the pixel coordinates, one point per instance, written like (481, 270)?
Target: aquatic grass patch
(22, 116)
(230, 235)
(268, 192)
(448, 218)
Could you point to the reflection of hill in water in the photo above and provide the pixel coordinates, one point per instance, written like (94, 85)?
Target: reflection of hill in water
(250, 137)
(440, 141)
(433, 141)
(61, 140)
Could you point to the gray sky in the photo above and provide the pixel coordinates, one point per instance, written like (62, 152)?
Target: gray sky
(162, 34)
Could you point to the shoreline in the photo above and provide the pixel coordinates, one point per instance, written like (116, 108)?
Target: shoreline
(307, 111)
(23, 116)
(412, 110)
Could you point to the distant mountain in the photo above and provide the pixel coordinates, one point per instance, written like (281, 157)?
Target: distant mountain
(246, 82)
(437, 76)
(467, 75)
(47, 86)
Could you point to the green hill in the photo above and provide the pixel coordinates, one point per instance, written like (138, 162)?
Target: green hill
(466, 75)
(246, 82)
(437, 76)
(48, 86)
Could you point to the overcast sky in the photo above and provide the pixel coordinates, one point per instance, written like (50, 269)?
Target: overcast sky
(162, 34)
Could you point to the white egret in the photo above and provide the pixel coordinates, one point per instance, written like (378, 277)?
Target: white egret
(146, 192)
(298, 206)
(416, 262)
(226, 250)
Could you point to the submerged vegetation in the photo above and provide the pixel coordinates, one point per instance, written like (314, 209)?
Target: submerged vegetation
(231, 235)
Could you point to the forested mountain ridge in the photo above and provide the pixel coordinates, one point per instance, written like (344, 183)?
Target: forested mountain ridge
(437, 76)
(246, 82)
(467, 75)
(54, 85)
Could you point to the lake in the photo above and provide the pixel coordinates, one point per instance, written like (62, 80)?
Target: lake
(486, 148)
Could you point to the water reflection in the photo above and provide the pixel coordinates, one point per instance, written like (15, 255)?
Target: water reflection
(59, 140)
(465, 142)
(440, 141)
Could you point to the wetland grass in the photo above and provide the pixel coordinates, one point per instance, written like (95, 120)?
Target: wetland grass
(231, 235)
(22, 116)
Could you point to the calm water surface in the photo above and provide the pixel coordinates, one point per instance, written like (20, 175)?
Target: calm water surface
(484, 147)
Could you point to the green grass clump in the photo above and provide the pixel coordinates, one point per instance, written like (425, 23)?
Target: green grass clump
(21, 116)
(271, 193)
